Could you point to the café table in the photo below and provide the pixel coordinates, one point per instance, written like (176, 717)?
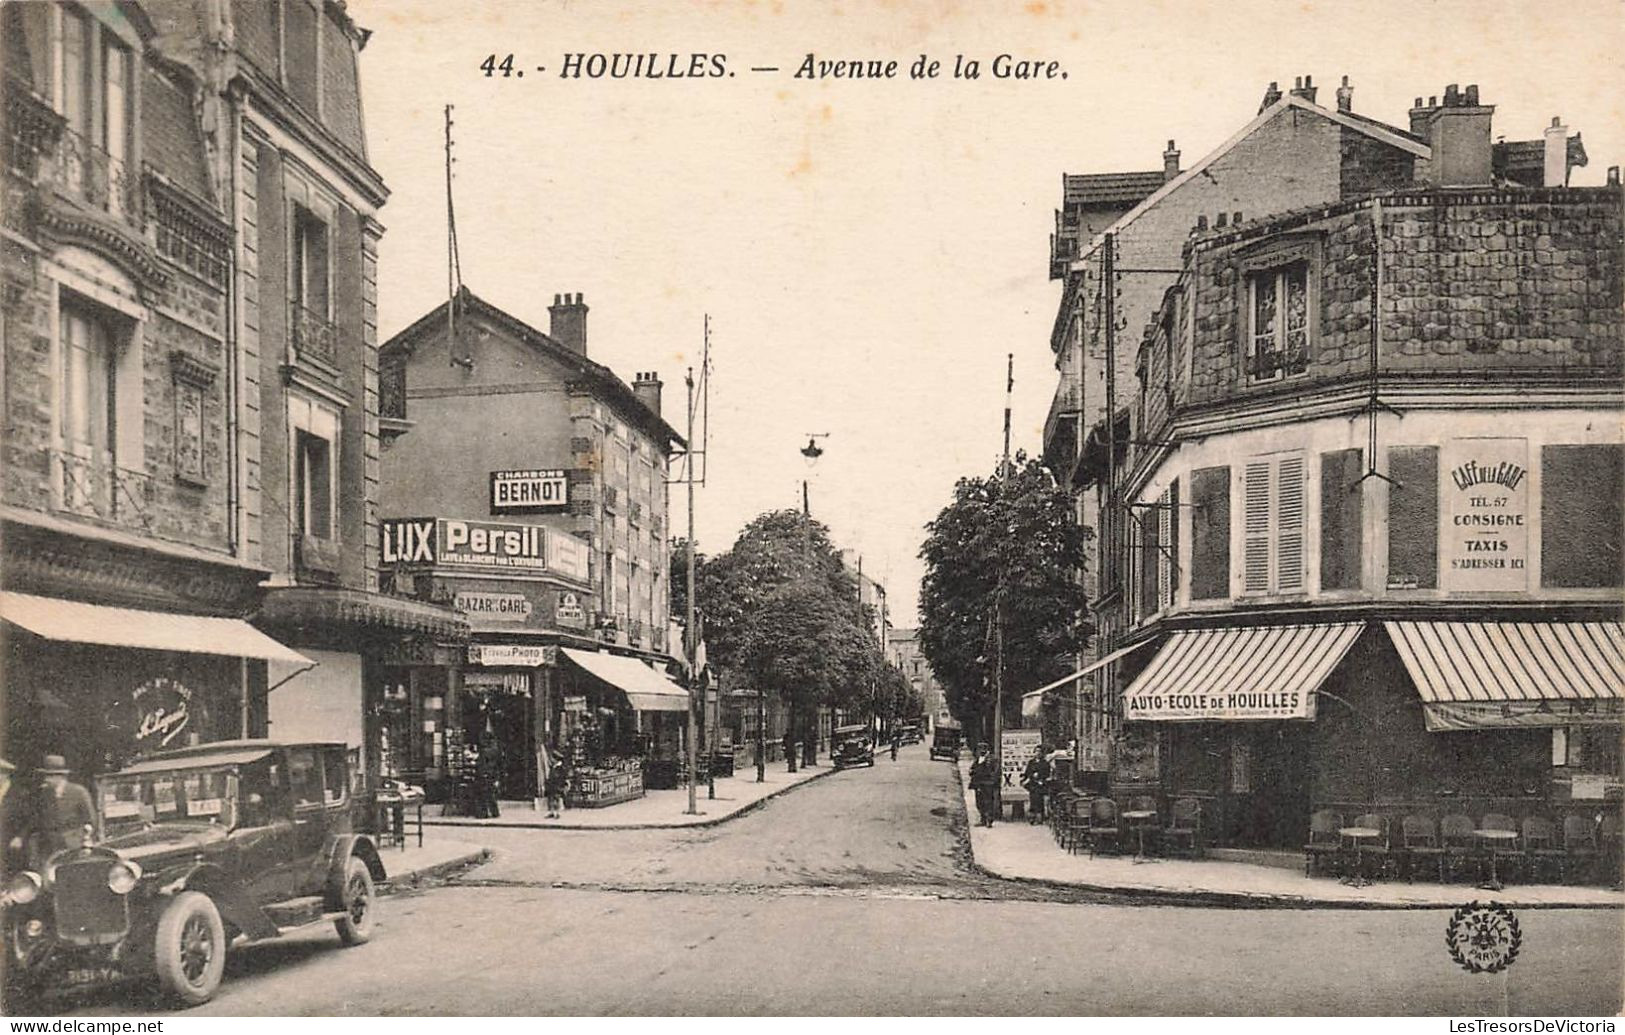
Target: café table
(392, 802)
(1354, 835)
(1141, 818)
(1492, 836)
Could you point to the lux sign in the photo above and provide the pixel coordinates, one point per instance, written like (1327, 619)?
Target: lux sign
(408, 540)
(450, 543)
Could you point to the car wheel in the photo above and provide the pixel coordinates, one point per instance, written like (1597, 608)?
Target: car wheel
(190, 948)
(355, 926)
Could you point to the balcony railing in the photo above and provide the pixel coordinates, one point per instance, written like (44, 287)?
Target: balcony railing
(314, 335)
(32, 129)
(103, 182)
(97, 488)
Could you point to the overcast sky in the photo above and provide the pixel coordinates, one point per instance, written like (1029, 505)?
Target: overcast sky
(869, 251)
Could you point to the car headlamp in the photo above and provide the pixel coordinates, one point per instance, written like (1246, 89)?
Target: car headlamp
(123, 876)
(24, 887)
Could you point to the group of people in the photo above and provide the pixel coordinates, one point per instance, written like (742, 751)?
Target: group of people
(43, 814)
(985, 780)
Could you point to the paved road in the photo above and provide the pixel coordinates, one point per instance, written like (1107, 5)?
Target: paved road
(849, 896)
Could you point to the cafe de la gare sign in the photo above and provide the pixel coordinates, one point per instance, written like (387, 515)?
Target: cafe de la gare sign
(1484, 537)
(481, 546)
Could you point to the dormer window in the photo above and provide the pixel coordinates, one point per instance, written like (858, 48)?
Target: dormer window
(1279, 319)
(94, 94)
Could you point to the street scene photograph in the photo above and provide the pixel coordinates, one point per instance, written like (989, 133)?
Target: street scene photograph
(1060, 509)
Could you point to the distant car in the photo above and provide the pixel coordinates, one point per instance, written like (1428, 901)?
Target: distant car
(945, 741)
(198, 846)
(910, 733)
(853, 746)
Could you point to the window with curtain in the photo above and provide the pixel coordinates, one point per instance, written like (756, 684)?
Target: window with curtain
(1279, 319)
(89, 383)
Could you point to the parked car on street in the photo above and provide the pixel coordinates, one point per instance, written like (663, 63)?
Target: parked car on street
(945, 741)
(852, 746)
(909, 733)
(198, 847)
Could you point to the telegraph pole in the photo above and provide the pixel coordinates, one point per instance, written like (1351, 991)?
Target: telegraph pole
(688, 625)
(998, 595)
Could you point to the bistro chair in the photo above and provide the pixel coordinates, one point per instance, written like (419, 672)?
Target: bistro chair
(1323, 839)
(1419, 842)
(1377, 851)
(1460, 846)
(1504, 851)
(1579, 843)
(1103, 827)
(1540, 844)
(1074, 828)
(1186, 826)
(1060, 808)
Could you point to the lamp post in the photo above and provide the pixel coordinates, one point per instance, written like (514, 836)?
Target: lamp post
(810, 454)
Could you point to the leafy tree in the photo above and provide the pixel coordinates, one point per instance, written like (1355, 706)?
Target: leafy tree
(1012, 537)
(782, 611)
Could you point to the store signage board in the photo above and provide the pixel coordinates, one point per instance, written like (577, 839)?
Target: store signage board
(499, 547)
(1484, 533)
(494, 607)
(1016, 749)
(529, 491)
(569, 611)
(516, 655)
(1196, 705)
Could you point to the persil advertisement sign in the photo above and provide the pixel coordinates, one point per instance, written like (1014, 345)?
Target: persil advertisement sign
(482, 546)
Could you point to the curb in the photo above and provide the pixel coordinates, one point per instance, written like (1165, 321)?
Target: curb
(696, 825)
(1214, 899)
(414, 878)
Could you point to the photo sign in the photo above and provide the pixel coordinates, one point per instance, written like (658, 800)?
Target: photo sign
(1016, 749)
(529, 491)
(1485, 516)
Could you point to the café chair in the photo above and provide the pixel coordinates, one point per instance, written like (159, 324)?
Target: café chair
(1323, 839)
(1460, 846)
(1186, 826)
(1540, 844)
(1378, 851)
(1419, 842)
(1104, 830)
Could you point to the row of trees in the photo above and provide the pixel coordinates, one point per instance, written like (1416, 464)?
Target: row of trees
(1004, 552)
(780, 611)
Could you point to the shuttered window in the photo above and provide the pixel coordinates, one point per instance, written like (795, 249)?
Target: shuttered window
(1413, 517)
(1210, 533)
(1341, 523)
(1168, 559)
(1580, 516)
(1150, 555)
(1273, 518)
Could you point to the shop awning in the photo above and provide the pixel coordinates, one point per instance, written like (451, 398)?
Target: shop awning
(73, 622)
(1032, 701)
(1263, 672)
(646, 689)
(1476, 675)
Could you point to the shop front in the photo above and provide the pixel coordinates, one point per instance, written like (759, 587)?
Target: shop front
(624, 717)
(1265, 725)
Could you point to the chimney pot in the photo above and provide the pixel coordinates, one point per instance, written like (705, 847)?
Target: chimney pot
(1555, 159)
(1613, 176)
(647, 390)
(1170, 162)
(568, 323)
(1271, 94)
(1471, 98)
(1235, 219)
(1433, 102)
(1201, 222)
(1303, 87)
(1459, 134)
(1220, 221)
(1345, 96)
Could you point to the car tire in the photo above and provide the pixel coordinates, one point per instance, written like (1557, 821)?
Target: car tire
(189, 949)
(357, 899)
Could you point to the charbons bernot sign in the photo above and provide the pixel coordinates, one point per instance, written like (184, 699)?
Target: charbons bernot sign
(529, 491)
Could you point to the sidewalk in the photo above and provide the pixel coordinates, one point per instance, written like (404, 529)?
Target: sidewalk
(438, 855)
(1018, 851)
(655, 810)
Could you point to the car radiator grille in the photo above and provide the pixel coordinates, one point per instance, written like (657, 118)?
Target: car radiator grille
(87, 910)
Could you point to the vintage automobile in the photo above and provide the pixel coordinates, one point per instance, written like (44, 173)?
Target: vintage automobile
(945, 741)
(852, 746)
(198, 847)
(909, 733)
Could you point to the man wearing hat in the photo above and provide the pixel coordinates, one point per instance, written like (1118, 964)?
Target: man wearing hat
(61, 809)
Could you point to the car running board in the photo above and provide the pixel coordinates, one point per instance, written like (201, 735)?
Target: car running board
(295, 913)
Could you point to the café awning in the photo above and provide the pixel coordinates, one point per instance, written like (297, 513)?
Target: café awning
(70, 621)
(646, 689)
(1261, 672)
(1032, 702)
(1477, 675)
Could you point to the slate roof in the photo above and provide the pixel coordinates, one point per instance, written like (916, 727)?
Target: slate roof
(1128, 188)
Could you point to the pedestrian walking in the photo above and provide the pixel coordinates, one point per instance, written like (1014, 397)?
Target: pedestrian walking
(51, 814)
(896, 742)
(1035, 777)
(984, 781)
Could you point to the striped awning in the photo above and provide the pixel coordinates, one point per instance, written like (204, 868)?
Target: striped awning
(1475, 675)
(71, 621)
(1262, 672)
(646, 690)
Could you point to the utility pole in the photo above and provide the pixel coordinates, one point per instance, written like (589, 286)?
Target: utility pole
(998, 595)
(688, 625)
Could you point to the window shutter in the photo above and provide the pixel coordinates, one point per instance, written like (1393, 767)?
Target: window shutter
(1342, 522)
(1581, 517)
(1164, 523)
(1289, 525)
(1413, 517)
(1256, 527)
(1171, 561)
(1210, 533)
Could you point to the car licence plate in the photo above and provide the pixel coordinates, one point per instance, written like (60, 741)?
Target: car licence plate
(90, 975)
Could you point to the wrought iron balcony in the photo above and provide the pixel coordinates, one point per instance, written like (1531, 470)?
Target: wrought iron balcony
(314, 335)
(32, 129)
(95, 487)
(87, 172)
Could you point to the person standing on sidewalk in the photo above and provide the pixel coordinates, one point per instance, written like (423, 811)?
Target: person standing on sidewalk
(553, 787)
(1035, 777)
(984, 781)
(896, 742)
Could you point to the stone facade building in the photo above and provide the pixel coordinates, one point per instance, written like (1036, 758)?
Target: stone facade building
(1370, 480)
(495, 426)
(149, 375)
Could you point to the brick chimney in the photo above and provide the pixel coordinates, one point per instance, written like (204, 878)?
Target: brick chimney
(646, 386)
(1170, 163)
(1272, 93)
(1557, 155)
(568, 325)
(1304, 87)
(1345, 96)
(1458, 131)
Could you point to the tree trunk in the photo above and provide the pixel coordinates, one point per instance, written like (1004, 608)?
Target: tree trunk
(809, 735)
